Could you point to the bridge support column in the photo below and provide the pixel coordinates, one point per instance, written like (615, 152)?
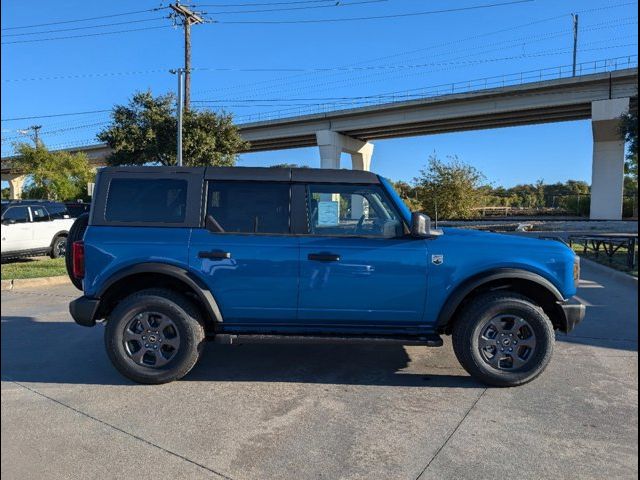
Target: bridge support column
(607, 172)
(331, 145)
(16, 182)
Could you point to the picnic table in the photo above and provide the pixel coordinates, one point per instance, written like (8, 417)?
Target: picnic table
(610, 244)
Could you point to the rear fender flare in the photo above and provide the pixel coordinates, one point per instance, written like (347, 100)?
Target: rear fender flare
(179, 273)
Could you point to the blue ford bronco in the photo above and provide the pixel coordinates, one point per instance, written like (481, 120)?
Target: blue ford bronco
(168, 257)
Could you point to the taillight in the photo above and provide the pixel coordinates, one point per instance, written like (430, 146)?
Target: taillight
(78, 259)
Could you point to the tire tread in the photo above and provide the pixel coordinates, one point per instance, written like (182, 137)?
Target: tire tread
(466, 323)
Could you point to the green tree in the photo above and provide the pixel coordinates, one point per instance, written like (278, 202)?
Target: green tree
(452, 188)
(53, 175)
(145, 132)
(288, 165)
(408, 194)
(629, 131)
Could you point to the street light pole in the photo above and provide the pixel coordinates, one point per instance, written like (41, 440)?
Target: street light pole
(180, 111)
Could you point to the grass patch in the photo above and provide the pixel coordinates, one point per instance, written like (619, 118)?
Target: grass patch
(33, 268)
(617, 261)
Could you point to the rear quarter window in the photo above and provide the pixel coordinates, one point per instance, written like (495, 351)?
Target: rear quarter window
(133, 200)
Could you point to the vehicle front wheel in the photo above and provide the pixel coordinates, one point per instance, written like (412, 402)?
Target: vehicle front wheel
(503, 339)
(154, 336)
(58, 247)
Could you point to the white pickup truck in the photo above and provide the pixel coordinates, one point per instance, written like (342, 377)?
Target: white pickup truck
(34, 228)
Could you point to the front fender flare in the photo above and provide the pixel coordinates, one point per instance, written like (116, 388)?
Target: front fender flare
(456, 297)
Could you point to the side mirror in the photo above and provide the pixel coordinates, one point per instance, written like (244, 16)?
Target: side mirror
(421, 226)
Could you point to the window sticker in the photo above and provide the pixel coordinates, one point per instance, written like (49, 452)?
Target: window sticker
(328, 214)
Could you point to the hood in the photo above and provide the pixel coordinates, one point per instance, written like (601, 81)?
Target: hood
(512, 240)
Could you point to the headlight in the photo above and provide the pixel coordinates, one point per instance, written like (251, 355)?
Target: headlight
(576, 270)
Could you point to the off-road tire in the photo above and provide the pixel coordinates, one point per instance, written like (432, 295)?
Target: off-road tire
(184, 315)
(76, 232)
(466, 333)
(55, 247)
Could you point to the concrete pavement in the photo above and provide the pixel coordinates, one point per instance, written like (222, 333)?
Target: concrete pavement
(317, 411)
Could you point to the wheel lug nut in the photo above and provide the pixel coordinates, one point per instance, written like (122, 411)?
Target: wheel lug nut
(144, 338)
(146, 345)
(155, 347)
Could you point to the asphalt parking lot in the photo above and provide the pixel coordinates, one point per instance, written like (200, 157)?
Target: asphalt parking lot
(317, 411)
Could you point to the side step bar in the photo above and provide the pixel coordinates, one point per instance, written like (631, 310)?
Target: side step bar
(232, 339)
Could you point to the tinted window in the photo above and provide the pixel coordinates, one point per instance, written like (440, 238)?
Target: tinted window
(39, 214)
(57, 211)
(77, 209)
(338, 210)
(249, 207)
(17, 214)
(146, 201)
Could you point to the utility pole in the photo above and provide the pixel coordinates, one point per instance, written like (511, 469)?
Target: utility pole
(180, 108)
(575, 41)
(188, 18)
(36, 133)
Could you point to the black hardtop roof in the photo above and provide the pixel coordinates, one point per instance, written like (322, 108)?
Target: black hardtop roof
(264, 174)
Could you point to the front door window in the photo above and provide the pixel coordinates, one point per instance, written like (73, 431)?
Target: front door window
(351, 210)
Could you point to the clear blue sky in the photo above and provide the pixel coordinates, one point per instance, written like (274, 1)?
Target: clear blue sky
(375, 57)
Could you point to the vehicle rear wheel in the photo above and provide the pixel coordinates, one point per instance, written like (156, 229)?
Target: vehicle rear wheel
(154, 336)
(76, 232)
(503, 339)
(58, 247)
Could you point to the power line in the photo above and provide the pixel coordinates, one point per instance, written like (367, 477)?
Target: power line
(85, 28)
(279, 82)
(377, 17)
(87, 75)
(54, 115)
(85, 19)
(85, 35)
(59, 131)
(334, 5)
(394, 94)
(223, 5)
(282, 69)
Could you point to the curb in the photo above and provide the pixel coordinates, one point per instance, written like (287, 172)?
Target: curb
(611, 272)
(22, 283)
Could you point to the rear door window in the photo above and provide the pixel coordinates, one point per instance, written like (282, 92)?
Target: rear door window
(39, 214)
(146, 200)
(249, 207)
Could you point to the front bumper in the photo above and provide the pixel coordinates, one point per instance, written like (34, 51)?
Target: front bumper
(572, 314)
(83, 310)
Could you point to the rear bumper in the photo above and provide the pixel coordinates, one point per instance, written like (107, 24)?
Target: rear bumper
(83, 310)
(572, 314)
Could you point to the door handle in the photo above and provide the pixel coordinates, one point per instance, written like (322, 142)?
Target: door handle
(214, 255)
(324, 257)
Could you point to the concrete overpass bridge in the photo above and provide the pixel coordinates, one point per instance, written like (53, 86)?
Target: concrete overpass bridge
(601, 97)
